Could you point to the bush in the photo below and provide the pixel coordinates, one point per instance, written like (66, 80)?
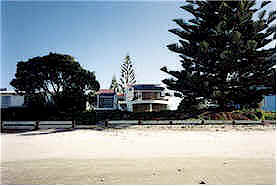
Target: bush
(270, 115)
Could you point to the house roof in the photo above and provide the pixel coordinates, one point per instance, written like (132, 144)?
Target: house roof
(11, 92)
(148, 87)
(105, 91)
(120, 94)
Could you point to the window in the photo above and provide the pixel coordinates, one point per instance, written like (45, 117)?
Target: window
(5, 101)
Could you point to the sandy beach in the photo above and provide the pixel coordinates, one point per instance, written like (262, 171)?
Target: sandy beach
(140, 155)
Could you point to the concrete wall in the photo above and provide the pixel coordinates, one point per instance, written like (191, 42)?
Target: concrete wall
(187, 122)
(18, 125)
(30, 125)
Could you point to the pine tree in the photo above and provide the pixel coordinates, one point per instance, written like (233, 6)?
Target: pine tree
(224, 53)
(127, 74)
(114, 85)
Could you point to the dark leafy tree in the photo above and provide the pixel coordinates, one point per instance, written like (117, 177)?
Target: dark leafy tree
(56, 78)
(224, 53)
(127, 74)
(114, 85)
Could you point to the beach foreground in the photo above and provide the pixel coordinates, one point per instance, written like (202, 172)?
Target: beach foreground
(139, 155)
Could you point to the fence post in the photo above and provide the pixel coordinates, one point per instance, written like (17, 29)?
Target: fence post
(106, 123)
(2, 126)
(37, 125)
(73, 124)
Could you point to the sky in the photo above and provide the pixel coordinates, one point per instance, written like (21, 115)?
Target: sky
(97, 34)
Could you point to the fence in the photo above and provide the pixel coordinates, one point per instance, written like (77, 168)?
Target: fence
(189, 122)
(31, 125)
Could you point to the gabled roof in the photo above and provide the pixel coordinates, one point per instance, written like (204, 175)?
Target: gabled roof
(105, 91)
(120, 94)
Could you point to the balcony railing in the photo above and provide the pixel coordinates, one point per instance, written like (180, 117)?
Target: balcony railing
(136, 98)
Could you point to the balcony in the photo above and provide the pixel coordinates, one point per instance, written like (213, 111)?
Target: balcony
(151, 98)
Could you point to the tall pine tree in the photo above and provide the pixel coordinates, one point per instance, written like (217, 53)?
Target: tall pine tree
(224, 53)
(127, 74)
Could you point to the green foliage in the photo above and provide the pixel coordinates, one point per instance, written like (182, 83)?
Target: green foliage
(222, 54)
(48, 113)
(114, 85)
(127, 74)
(269, 115)
(55, 78)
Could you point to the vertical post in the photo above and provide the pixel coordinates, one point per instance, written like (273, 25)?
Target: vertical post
(2, 126)
(73, 124)
(150, 109)
(97, 100)
(37, 125)
(106, 123)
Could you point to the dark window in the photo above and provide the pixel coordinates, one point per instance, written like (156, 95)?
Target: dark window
(106, 102)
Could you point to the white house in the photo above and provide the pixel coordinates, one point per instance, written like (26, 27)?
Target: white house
(138, 98)
(11, 99)
(150, 97)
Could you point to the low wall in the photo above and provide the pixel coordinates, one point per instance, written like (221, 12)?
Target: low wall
(18, 125)
(55, 124)
(189, 122)
(31, 125)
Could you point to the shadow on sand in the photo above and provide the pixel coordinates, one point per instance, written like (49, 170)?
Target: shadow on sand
(47, 131)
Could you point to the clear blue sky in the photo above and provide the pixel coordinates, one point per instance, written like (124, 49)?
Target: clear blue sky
(97, 34)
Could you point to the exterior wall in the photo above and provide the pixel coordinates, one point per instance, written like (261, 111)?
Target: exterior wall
(156, 98)
(173, 102)
(158, 107)
(11, 101)
(269, 103)
(141, 107)
(150, 95)
(17, 101)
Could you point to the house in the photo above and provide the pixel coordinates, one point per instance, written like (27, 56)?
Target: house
(137, 98)
(150, 97)
(106, 99)
(269, 103)
(10, 99)
(122, 101)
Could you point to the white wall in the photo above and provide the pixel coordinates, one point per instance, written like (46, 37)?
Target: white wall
(173, 102)
(17, 101)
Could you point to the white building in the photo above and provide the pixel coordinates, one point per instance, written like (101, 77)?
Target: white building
(137, 98)
(11, 99)
(150, 97)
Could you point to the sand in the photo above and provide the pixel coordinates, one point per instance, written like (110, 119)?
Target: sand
(140, 155)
